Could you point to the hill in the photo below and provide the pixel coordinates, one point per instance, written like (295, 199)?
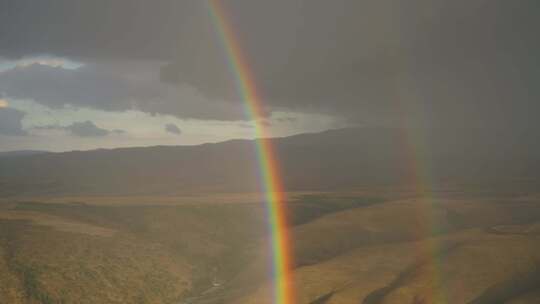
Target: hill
(331, 160)
(411, 251)
(21, 153)
(348, 248)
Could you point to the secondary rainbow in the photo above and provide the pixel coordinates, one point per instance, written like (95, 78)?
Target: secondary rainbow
(268, 163)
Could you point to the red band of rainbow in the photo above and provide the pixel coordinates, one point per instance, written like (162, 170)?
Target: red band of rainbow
(268, 164)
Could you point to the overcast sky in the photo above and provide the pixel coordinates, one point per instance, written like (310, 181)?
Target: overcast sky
(78, 74)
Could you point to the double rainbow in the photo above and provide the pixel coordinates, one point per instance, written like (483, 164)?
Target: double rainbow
(269, 167)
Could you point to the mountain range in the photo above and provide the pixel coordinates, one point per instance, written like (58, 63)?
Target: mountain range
(332, 160)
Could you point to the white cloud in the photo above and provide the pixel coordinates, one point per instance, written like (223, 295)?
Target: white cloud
(50, 61)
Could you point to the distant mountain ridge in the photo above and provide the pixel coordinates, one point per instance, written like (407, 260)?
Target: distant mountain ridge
(21, 153)
(335, 159)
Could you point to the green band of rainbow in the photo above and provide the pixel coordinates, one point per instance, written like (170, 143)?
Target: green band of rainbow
(269, 167)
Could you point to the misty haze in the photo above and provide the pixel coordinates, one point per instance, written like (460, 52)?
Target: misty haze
(269, 152)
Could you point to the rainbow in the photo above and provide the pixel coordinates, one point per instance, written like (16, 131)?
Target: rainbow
(268, 163)
(429, 249)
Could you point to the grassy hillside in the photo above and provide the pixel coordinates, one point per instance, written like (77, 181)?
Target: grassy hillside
(348, 248)
(392, 252)
(145, 253)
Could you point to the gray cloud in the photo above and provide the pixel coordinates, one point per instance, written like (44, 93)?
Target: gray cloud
(173, 129)
(10, 122)
(475, 62)
(112, 86)
(84, 129)
(93, 29)
(469, 61)
(56, 87)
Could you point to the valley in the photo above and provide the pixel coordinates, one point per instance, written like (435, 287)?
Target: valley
(348, 248)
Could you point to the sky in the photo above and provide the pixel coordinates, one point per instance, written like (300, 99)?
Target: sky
(77, 74)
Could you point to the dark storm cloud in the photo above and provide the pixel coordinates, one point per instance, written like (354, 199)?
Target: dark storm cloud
(473, 63)
(93, 29)
(469, 61)
(10, 122)
(173, 129)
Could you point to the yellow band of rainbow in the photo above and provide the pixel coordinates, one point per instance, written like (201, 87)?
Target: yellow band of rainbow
(268, 164)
